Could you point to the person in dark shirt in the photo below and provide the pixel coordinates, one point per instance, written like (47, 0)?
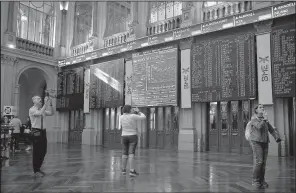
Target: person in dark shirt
(27, 134)
(28, 123)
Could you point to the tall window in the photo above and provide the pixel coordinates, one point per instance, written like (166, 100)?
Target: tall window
(211, 3)
(83, 22)
(36, 22)
(118, 14)
(164, 10)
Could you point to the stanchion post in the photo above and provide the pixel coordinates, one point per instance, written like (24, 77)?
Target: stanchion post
(294, 126)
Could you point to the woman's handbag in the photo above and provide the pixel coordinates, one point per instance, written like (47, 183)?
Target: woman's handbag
(35, 133)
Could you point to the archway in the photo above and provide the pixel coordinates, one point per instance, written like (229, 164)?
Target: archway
(32, 82)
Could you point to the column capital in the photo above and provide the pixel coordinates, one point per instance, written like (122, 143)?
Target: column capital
(263, 27)
(186, 43)
(10, 60)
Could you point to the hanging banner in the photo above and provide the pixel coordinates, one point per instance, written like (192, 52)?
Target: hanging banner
(86, 90)
(128, 82)
(264, 69)
(185, 79)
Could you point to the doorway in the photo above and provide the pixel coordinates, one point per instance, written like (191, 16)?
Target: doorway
(76, 125)
(32, 82)
(163, 127)
(291, 127)
(227, 123)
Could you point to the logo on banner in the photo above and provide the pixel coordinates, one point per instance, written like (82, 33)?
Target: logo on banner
(186, 77)
(87, 90)
(264, 61)
(129, 84)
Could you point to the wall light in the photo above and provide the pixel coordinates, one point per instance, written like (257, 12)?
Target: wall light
(11, 46)
(64, 5)
(24, 18)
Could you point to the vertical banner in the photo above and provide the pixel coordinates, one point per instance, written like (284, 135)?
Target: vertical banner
(86, 90)
(264, 69)
(128, 82)
(185, 79)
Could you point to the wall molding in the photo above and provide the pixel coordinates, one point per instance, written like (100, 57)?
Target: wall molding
(31, 56)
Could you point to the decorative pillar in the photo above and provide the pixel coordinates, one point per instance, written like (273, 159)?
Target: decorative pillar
(237, 7)
(10, 34)
(94, 36)
(102, 22)
(187, 14)
(294, 123)
(17, 98)
(231, 9)
(243, 7)
(199, 12)
(63, 7)
(7, 80)
(263, 47)
(215, 13)
(133, 22)
(211, 14)
(187, 131)
(226, 10)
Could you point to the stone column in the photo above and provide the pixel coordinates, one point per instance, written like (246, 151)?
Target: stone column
(264, 28)
(294, 124)
(102, 22)
(134, 24)
(63, 37)
(7, 80)
(10, 33)
(187, 131)
(140, 20)
(17, 98)
(199, 12)
(95, 17)
(188, 15)
(70, 19)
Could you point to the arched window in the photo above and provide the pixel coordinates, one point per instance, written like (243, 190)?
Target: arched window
(83, 22)
(36, 22)
(164, 10)
(118, 15)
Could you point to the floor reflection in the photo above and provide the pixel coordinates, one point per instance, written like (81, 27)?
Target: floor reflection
(93, 169)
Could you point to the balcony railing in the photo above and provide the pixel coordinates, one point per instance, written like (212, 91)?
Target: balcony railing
(116, 39)
(82, 48)
(225, 9)
(165, 25)
(34, 47)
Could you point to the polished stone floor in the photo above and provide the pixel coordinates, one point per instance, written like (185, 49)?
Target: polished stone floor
(71, 168)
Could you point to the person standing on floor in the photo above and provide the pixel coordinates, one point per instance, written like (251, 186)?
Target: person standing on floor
(27, 134)
(17, 124)
(129, 139)
(257, 134)
(38, 115)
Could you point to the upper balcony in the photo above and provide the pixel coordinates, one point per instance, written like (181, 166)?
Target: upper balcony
(82, 48)
(116, 39)
(217, 10)
(35, 47)
(162, 18)
(164, 26)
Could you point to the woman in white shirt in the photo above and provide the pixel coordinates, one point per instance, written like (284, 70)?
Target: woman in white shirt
(128, 124)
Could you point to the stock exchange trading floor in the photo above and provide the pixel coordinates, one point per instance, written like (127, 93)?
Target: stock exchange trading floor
(94, 169)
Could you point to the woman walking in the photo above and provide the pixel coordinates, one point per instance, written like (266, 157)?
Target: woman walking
(128, 124)
(257, 134)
